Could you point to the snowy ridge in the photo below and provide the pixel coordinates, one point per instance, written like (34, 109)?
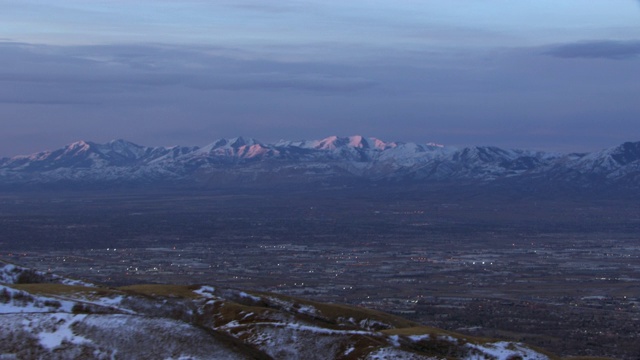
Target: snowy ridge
(39, 320)
(13, 274)
(247, 160)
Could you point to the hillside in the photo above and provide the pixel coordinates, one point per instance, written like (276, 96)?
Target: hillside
(47, 316)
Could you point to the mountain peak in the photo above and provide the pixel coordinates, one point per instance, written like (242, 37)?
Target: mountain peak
(234, 143)
(627, 153)
(241, 141)
(238, 147)
(334, 142)
(79, 145)
(77, 148)
(358, 141)
(330, 143)
(121, 142)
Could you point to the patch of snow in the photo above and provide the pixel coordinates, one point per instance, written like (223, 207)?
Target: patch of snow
(319, 330)
(395, 340)
(206, 291)
(9, 273)
(394, 354)
(136, 337)
(417, 338)
(23, 302)
(298, 327)
(357, 141)
(448, 338)
(247, 316)
(349, 350)
(504, 350)
(61, 331)
(308, 310)
(373, 324)
(9, 267)
(73, 282)
(111, 301)
(245, 295)
(231, 325)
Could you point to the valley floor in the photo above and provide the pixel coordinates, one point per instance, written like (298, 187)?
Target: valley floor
(556, 273)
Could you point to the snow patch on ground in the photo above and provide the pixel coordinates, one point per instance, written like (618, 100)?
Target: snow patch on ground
(245, 295)
(206, 291)
(504, 350)
(294, 341)
(61, 331)
(394, 354)
(417, 338)
(141, 337)
(50, 330)
(299, 327)
(8, 273)
(349, 350)
(110, 301)
(448, 338)
(16, 301)
(395, 340)
(307, 310)
(319, 330)
(373, 324)
(72, 282)
(232, 325)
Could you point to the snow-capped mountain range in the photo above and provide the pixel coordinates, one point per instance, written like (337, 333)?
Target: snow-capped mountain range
(246, 160)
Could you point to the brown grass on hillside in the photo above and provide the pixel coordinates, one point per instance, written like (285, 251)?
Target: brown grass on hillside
(60, 289)
(332, 312)
(179, 291)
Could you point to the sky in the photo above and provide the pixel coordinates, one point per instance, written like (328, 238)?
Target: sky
(556, 75)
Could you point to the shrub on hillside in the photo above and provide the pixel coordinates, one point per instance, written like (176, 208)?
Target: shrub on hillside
(30, 277)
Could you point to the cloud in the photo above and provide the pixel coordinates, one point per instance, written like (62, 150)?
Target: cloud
(130, 67)
(281, 81)
(605, 49)
(24, 101)
(269, 7)
(190, 94)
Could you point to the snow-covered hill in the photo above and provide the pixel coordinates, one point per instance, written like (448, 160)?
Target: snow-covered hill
(61, 319)
(245, 160)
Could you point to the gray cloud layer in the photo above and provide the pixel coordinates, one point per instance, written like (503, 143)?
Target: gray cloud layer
(104, 67)
(157, 94)
(616, 50)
